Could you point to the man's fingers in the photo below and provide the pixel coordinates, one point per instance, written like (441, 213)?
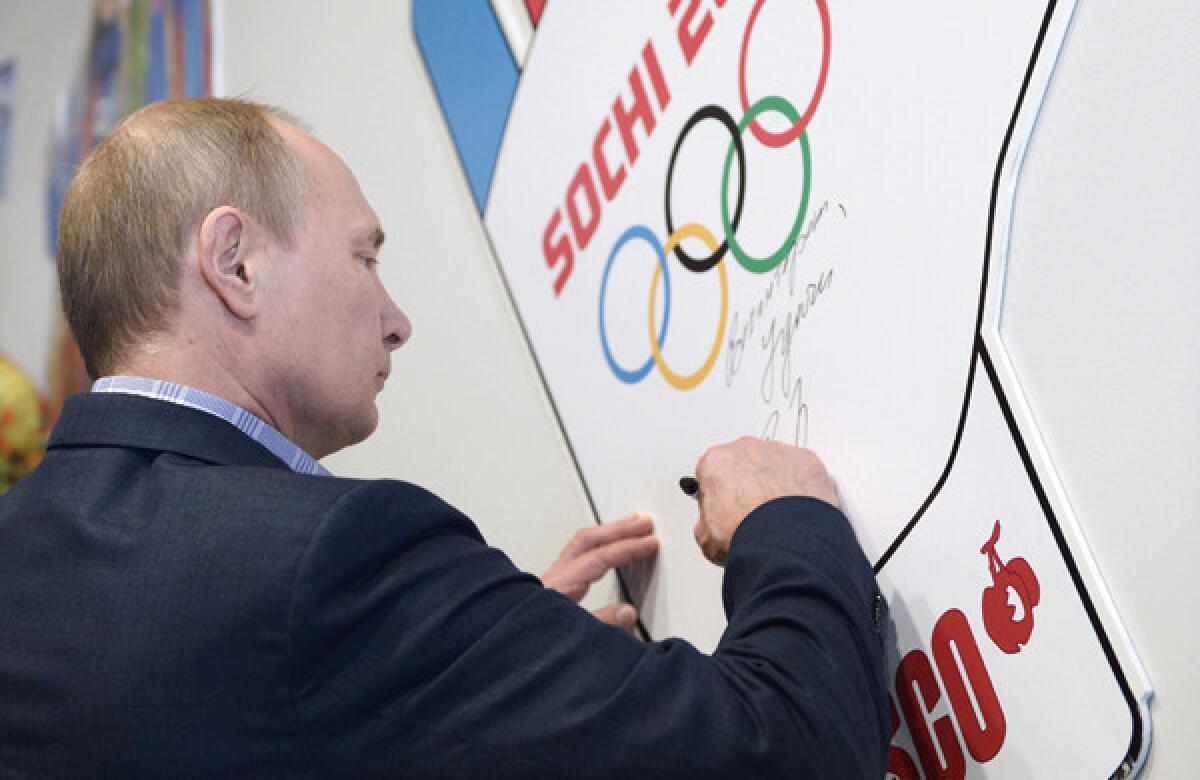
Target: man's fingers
(626, 551)
(630, 526)
(585, 561)
(593, 564)
(621, 615)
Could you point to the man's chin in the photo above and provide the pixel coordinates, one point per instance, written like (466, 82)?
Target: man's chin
(363, 428)
(350, 432)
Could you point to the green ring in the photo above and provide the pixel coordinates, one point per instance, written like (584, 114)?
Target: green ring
(762, 265)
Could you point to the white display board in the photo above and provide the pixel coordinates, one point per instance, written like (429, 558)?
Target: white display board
(790, 220)
(1104, 349)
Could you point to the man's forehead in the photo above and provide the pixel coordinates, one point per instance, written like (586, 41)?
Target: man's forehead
(293, 135)
(321, 164)
(331, 183)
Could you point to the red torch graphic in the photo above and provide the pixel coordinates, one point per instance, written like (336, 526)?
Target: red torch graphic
(1009, 625)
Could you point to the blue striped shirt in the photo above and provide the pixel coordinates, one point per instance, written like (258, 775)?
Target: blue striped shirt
(262, 432)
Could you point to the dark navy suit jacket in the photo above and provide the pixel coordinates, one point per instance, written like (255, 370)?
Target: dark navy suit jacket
(174, 603)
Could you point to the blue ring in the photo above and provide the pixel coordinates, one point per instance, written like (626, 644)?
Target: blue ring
(644, 233)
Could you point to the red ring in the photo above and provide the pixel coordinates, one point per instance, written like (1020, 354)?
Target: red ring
(766, 137)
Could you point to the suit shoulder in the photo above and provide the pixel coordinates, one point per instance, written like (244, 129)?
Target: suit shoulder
(275, 498)
(388, 509)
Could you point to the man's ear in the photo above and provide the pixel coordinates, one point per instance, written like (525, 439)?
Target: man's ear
(224, 260)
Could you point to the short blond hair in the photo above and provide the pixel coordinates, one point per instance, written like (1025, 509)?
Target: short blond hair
(131, 207)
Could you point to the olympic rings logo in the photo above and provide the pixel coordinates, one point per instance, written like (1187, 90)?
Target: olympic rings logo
(797, 132)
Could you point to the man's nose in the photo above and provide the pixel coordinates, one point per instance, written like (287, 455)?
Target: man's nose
(397, 329)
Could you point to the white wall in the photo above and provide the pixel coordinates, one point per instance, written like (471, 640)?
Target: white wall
(1103, 330)
(1099, 316)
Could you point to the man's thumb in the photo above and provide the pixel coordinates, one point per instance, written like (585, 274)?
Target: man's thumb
(621, 615)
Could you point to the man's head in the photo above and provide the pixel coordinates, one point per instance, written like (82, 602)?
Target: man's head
(215, 243)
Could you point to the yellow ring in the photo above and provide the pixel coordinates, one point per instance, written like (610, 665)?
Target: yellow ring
(680, 381)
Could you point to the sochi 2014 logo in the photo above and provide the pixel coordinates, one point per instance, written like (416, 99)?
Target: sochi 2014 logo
(691, 34)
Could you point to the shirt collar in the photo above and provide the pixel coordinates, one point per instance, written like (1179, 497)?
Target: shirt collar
(257, 429)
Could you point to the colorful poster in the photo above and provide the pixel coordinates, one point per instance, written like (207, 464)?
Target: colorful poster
(8, 77)
(790, 220)
(23, 428)
(137, 52)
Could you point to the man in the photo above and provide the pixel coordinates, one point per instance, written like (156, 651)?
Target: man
(183, 593)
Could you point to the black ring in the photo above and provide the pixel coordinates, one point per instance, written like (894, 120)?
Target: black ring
(721, 115)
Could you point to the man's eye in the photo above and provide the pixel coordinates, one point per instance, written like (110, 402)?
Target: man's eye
(370, 261)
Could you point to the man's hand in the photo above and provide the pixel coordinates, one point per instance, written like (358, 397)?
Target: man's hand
(737, 478)
(594, 550)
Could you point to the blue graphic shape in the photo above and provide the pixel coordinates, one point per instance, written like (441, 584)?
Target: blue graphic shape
(475, 77)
